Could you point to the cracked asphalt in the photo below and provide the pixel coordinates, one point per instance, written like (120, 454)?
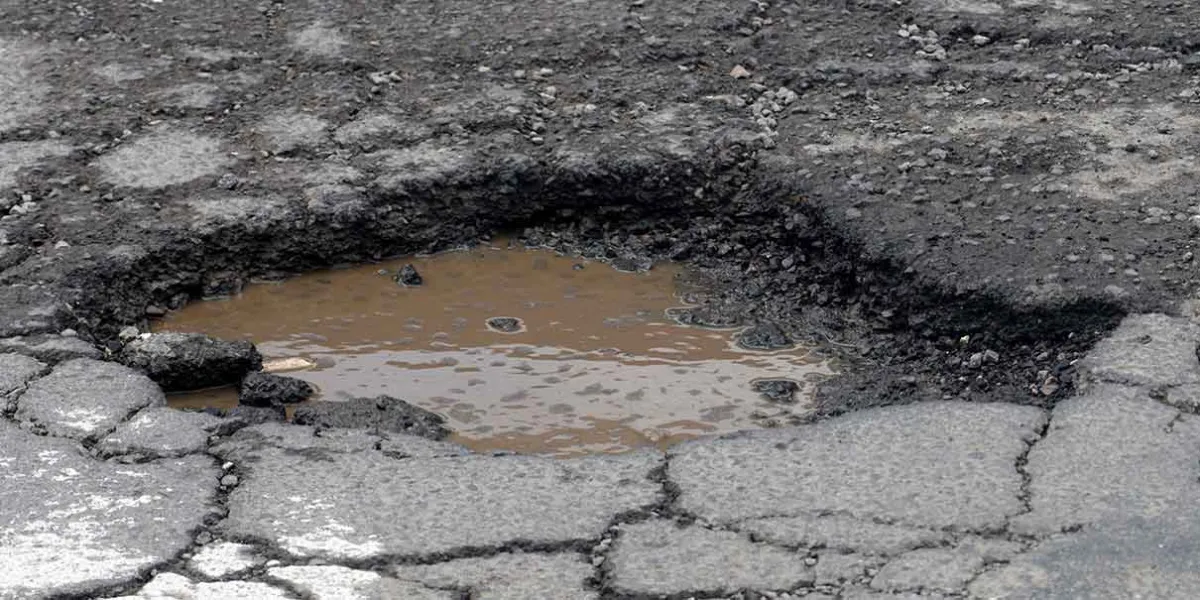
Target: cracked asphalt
(989, 205)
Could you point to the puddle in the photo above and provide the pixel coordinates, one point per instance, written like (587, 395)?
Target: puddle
(520, 349)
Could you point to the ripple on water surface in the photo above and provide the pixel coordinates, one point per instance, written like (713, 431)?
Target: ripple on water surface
(520, 349)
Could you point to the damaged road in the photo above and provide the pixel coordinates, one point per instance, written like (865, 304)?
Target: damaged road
(985, 500)
(985, 210)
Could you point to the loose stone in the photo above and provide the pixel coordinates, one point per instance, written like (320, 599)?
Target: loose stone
(505, 324)
(764, 336)
(408, 275)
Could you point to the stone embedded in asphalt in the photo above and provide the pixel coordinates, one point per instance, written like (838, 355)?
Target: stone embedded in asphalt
(358, 505)
(408, 275)
(777, 390)
(70, 524)
(16, 371)
(505, 324)
(266, 389)
(764, 336)
(1146, 349)
(935, 464)
(224, 559)
(939, 569)
(171, 585)
(52, 349)
(330, 582)
(509, 576)
(379, 414)
(661, 558)
(159, 432)
(1111, 454)
(85, 399)
(841, 532)
(191, 361)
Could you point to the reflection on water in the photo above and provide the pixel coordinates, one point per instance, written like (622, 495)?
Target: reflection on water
(594, 365)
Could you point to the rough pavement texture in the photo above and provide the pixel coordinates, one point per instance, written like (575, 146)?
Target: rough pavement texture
(71, 524)
(1134, 558)
(85, 399)
(940, 465)
(660, 557)
(364, 504)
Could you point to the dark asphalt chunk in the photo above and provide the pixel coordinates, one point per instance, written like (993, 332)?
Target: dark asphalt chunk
(267, 389)
(382, 413)
(191, 361)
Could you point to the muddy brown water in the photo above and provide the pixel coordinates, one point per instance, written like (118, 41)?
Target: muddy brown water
(596, 365)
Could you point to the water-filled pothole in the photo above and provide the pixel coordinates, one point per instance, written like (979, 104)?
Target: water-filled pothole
(520, 349)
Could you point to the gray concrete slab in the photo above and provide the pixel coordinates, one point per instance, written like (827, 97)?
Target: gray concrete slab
(1112, 454)
(1134, 557)
(70, 524)
(934, 569)
(85, 399)
(159, 432)
(1150, 350)
(662, 558)
(936, 465)
(361, 505)
(509, 576)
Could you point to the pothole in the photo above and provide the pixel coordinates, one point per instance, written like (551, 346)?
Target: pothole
(520, 349)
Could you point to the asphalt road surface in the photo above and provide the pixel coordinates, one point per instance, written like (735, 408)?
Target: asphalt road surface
(989, 205)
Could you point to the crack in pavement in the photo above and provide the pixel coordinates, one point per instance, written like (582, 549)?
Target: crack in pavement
(1025, 493)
